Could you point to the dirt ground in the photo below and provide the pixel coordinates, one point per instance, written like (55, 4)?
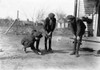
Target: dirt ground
(12, 56)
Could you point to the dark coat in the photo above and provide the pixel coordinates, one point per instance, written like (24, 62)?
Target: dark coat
(78, 27)
(50, 24)
(29, 40)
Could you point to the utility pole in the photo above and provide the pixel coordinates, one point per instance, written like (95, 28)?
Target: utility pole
(17, 14)
(75, 8)
(98, 24)
(78, 8)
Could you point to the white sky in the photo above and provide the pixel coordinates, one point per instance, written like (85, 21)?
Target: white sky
(30, 8)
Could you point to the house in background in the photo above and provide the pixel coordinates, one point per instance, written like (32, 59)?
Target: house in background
(90, 8)
(62, 23)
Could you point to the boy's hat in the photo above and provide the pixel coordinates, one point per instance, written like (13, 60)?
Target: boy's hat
(70, 17)
(36, 33)
(51, 15)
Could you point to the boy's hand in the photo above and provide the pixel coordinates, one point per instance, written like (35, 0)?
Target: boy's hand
(36, 38)
(49, 33)
(78, 37)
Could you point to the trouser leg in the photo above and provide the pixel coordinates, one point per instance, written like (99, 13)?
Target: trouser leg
(78, 46)
(32, 46)
(50, 40)
(50, 43)
(37, 45)
(25, 49)
(45, 43)
(75, 45)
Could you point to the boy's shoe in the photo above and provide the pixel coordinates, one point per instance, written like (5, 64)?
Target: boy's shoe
(73, 53)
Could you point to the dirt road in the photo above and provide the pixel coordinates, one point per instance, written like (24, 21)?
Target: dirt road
(12, 56)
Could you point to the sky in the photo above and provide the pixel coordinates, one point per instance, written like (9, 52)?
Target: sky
(30, 8)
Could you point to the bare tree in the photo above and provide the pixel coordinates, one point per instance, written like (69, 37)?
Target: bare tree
(40, 17)
(61, 17)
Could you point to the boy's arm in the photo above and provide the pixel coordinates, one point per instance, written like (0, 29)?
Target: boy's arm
(73, 29)
(78, 28)
(45, 24)
(54, 24)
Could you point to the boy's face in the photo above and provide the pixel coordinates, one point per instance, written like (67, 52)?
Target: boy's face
(70, 18)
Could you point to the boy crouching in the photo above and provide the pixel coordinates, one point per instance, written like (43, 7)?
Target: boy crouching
(29, 41)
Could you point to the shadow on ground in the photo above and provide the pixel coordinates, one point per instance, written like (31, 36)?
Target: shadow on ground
(54, 51)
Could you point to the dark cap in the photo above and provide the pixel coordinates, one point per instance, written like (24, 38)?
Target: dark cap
(70, 17)
(51, 15)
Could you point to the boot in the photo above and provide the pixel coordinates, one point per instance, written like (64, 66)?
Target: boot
(77, 49)
(50, 49)
(74, 50)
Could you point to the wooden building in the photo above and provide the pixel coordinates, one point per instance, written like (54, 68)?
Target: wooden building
(90, 8)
